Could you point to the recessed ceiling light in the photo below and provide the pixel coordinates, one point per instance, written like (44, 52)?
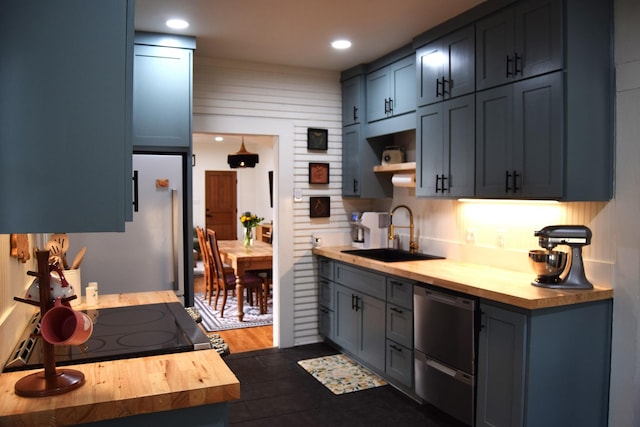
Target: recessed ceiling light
(341, 44)
(177, 24)
(218, 138)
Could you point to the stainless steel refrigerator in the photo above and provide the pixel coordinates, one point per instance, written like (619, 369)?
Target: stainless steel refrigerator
(149, 255)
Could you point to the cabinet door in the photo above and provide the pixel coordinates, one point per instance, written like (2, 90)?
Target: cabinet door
(351, 161)
(352, 101)
(403, 90)
(494, 141)
(162, 96)
(494, 49)
(429, 149)
(501, 368)
(391, 91)
(346, 319)
(459, 143)
(538, 41)
(430, 63)
(460, 51)
(371, 340)
(446, 149)
(378, 95)
(538, 148)
(520, 42)
(65, 114)
(446, 67)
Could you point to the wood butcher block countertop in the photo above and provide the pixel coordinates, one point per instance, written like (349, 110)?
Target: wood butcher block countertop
(125, 387)
(505, 286)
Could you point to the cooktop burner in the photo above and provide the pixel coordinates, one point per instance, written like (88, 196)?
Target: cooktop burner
(118, 333)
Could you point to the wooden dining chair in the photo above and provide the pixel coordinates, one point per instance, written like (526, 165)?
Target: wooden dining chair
(207, 263)
(225, 278)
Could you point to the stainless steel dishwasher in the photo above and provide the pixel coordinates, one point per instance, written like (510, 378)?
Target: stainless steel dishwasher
(445, 335)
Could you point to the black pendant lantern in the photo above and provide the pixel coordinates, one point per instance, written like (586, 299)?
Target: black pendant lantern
(242, 159)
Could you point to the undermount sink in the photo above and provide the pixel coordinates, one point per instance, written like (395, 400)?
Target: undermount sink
(390, 255)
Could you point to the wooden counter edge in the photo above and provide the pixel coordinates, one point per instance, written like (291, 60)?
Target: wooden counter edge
(108, 393)
(189, 379)
(418, 271)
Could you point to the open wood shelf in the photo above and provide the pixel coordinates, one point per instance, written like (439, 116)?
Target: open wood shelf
(397, 167)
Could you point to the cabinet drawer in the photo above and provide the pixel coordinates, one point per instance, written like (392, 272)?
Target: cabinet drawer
(361, 280)
(400, 292)
(399, 364)
(400, 325)
(325, 322)
(325, 268)
(325, 293)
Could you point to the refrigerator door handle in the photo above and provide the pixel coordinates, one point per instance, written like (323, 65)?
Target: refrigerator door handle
(175, 233)
(135, 191)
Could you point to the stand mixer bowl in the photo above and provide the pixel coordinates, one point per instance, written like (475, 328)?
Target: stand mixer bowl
(548, 265)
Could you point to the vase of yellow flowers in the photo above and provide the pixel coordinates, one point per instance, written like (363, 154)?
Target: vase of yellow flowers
(249, 221)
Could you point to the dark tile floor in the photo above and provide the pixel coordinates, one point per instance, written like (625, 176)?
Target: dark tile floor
(275, 391)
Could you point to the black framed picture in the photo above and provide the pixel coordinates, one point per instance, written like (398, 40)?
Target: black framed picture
(319, 207)
(318, 173)
(317, 139)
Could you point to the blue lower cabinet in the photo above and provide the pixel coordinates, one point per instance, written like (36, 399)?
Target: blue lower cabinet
(547, 367)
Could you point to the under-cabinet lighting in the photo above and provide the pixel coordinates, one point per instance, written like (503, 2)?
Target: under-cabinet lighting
(499, 213)
(510, 201)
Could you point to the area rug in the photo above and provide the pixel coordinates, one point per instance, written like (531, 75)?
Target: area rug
(340, 374)
(211, 320)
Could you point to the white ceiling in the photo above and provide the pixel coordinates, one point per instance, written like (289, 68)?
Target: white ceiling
(298, 32)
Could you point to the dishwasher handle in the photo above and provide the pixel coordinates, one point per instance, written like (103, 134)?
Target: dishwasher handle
(465, 303)
(440, 367)
(457, 375)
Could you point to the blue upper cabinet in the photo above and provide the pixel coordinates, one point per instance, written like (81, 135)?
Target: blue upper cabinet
(519, 42)
(446, 67)
(391, 90)
(65, 115)
(359, 155)
(391, 94)
(162, 96)
(352, 101)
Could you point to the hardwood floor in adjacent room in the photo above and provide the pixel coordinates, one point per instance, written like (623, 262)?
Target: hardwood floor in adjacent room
(244, 339)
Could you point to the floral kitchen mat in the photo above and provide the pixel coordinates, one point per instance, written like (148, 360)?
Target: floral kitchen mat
(340, 374)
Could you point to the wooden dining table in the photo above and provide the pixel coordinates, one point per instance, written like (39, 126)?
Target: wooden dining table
(257, 257)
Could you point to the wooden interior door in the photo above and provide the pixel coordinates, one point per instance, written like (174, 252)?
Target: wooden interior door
(221, 212)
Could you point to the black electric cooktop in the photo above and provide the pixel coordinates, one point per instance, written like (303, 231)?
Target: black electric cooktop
(118, 333)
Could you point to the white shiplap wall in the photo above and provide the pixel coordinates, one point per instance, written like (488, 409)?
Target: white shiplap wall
(250, 98)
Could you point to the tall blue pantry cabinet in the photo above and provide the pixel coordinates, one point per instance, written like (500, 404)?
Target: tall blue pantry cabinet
(162, 110)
